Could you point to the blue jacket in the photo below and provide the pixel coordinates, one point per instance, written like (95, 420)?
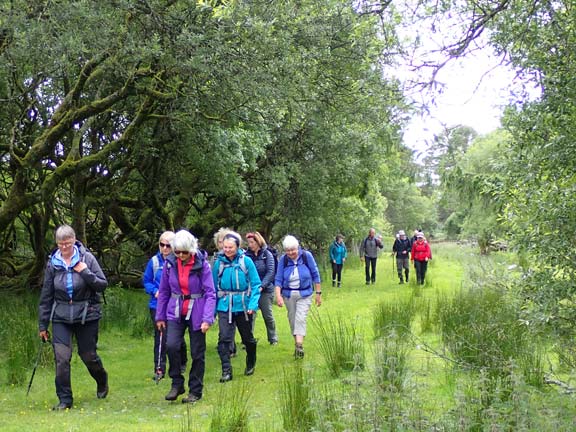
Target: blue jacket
(338, 252)
(233, 279)
(152, 281)
(265, 266)
(309, 274)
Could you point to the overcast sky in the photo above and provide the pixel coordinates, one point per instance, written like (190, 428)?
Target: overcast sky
(476, 90)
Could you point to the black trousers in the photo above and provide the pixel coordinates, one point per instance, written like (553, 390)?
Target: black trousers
(421, 267)
(370, 263)
(174, 340)
(226, 336)
(161, 353)
(337, 272)
(86, 337)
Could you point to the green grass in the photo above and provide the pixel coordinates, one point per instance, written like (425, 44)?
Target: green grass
(434, 393)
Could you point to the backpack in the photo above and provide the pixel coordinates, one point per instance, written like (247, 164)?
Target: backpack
(304, 258)
(241, 264)
(155, 265)
(274, 253)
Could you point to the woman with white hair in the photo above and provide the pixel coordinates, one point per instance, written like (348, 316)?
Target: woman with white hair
(186, 301)
(297, 280)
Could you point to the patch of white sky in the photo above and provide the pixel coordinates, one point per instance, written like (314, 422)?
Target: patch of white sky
(471, 90)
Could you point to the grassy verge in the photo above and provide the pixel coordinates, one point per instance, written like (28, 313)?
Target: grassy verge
(408, 379)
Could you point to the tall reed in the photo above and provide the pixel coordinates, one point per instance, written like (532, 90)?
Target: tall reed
(396, 316)
(296, 401)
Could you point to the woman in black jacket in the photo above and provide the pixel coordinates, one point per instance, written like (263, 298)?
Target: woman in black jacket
(70, 299)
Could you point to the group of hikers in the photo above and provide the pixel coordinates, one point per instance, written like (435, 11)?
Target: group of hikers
(189, 291)
(416, 249)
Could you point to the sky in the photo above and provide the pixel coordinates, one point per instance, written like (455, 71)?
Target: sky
(476, 90)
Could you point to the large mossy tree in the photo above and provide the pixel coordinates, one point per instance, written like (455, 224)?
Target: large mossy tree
(128, 117)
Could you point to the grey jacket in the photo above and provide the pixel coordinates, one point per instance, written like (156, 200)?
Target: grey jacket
(87, 288)
(369, 247)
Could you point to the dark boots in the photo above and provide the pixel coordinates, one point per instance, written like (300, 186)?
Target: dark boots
(406, 273)
(174, 393)
(401, 280)
(226, 375)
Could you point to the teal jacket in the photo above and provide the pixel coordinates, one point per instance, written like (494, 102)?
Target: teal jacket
(233, 283)
(338, 252)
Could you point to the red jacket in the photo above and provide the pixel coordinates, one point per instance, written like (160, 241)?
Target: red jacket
(421, 251)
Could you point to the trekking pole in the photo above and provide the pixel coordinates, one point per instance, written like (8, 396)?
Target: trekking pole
(393, 267)
(42, 342)
(159, 374)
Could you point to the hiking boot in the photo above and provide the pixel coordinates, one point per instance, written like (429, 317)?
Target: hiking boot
(339, 284)
(249, 370)
(191, 398)
(367, 283)
(62, 406)
(401, 282)
(299, 352)
(102, 388)
(174, 393)
(333, 284)
(183, 369)
(226, 376)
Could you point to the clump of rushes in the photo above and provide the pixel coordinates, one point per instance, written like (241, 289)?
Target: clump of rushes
(296, 404)
(339, 343)
(394, 316)
(230, 412)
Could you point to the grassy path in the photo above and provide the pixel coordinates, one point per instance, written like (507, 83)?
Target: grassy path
(135, 403)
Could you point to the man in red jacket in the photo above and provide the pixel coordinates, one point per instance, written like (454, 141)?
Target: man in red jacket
(421, 254)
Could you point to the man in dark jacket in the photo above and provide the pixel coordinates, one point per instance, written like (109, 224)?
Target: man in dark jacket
(401, 248)
(70, 299)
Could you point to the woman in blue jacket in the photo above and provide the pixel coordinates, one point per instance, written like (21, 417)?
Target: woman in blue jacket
(151, 280)
(238, 290)
(338, 254)
(297, 278)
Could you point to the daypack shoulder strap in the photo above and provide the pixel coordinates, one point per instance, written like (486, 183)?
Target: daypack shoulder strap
(155, 264)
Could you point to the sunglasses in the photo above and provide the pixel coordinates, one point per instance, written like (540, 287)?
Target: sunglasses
(166, 245)
(181, 252)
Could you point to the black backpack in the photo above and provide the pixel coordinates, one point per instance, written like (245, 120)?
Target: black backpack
(274, 253)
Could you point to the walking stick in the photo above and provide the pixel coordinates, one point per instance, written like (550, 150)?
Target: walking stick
(42, 342)
(159, 373)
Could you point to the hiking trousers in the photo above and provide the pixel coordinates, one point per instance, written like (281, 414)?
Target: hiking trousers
(297, 308)
(174, 340)
(226, 336)
(370, 263)
(265, 306)
(421, 267)
(86, 337)
(337, 272)
(161, 353)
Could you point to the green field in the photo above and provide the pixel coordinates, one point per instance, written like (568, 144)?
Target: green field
(434, 394)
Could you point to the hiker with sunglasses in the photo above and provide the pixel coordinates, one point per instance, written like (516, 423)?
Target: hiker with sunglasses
(151, 280)
(186, 301)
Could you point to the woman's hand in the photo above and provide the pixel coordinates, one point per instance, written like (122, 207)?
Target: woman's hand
(204, 327)
(161, 325)
(80, 266)
(44, 335)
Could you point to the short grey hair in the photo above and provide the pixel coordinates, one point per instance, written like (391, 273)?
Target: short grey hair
(290, 242)
(184, 241)
(64, 232)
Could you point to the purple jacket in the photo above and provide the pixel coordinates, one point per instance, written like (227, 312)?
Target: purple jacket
(200, 283)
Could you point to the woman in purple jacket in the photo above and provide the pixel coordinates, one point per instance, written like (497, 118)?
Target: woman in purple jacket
(186, 300)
